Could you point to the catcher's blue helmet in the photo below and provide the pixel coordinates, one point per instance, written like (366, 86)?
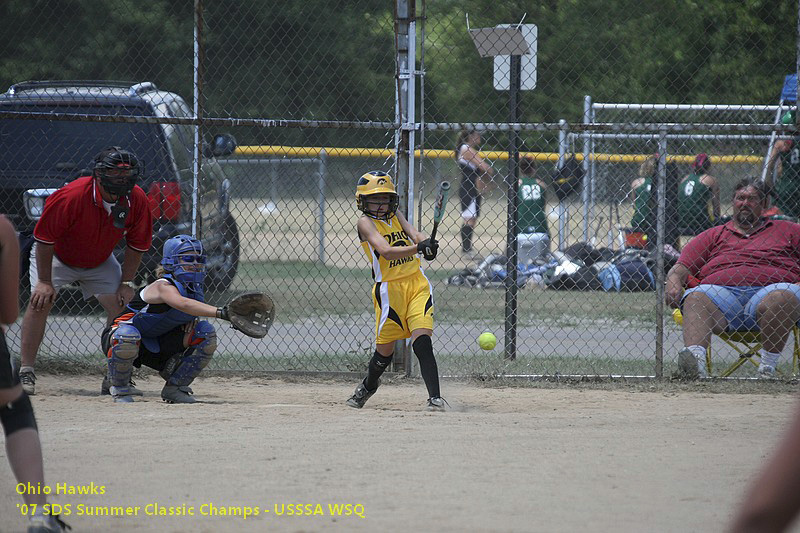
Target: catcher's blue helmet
(181, 251)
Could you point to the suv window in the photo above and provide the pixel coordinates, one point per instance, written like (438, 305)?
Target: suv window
(184, 137)
(46, 146)
(41, 155)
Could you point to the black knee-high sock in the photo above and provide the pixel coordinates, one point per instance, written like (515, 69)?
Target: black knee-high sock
(375, 369)
(466, 237)
(423, 348)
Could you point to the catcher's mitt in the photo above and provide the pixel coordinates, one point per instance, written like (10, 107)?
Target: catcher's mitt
(251, 313)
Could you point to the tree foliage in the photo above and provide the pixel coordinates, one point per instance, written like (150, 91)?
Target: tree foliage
(336, 60)
(667, 51)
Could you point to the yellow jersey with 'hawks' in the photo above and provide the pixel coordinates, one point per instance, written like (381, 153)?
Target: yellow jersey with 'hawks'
(391, 269)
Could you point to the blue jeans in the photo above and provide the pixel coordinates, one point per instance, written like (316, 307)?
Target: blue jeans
(739, 304)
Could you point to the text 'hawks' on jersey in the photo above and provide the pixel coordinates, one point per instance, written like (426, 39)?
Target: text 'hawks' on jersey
(385, 269)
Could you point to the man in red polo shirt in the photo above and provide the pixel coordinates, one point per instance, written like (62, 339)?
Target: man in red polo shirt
(81, 224)
(749, 270)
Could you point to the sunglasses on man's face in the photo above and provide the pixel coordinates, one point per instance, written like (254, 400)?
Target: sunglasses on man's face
(191, 259)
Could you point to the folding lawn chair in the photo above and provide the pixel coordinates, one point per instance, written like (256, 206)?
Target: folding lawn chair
(747, 344)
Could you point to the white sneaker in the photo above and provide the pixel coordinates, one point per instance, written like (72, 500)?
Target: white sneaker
(766, 371)
(39, 523)
(691, 366)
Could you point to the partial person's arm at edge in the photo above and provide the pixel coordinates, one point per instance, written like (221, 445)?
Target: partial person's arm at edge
(635, 185)
(9, 267)
(130, 263)
(367, 230)
(140, 233)
(771, 502)
(43, 293)
(473, 157)
(774, 159)
(711, 183)
(44, 261)
(677, 277)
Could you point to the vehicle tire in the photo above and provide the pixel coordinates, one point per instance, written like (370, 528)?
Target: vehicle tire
(220, 278)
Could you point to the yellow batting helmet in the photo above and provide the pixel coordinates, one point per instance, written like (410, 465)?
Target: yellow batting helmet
(376, 182)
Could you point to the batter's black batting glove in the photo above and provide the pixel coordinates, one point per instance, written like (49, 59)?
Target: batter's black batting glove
(222, 312)
(428, 249)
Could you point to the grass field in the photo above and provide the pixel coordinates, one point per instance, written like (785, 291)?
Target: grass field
(306, 288)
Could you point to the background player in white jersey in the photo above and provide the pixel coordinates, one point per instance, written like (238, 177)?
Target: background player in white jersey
(476, 176)
(402, 295)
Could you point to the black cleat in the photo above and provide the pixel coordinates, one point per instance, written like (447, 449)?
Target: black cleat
(361, 395)
(176, 394)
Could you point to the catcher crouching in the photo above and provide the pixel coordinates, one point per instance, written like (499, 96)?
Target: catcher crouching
(160, 327)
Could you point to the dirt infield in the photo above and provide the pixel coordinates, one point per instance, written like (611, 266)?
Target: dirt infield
(646, 457)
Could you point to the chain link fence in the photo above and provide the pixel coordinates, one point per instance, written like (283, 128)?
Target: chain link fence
(293, 101)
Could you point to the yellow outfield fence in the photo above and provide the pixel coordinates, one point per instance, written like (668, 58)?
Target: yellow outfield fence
(437, 153)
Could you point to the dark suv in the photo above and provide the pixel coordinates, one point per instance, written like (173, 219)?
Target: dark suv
(38, 156)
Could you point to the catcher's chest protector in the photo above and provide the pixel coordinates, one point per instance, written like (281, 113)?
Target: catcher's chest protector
(152, 324)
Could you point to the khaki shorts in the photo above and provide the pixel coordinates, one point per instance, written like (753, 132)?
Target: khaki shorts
(102, 279)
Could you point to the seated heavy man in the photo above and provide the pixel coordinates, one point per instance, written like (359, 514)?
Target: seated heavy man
(749, 270)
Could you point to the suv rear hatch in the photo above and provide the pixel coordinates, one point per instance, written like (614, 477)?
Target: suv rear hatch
(49, 153)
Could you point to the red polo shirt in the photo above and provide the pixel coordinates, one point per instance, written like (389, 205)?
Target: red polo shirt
(75, 221)
(723, 256)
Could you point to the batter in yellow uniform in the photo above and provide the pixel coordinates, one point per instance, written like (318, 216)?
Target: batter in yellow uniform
(402, 295)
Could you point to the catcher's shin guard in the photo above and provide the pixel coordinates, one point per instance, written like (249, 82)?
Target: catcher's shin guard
(182, 370)
(125, 341)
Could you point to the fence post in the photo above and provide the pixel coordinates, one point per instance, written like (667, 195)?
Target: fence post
(199, 56)
(563, 212)
(587, 178)
(404, 137)
(322, 171)
(512, 188)
(661, 222)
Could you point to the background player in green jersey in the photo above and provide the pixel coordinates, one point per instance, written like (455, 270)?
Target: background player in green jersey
(533, 237)
(784, 161)
(698, 198)
(641, 196)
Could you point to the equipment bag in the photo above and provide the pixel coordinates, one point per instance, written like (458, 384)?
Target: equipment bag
(627, 276)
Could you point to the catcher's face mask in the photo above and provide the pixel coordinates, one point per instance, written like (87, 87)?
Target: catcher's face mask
(191, 262)
(118, 170)
(184, 259)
